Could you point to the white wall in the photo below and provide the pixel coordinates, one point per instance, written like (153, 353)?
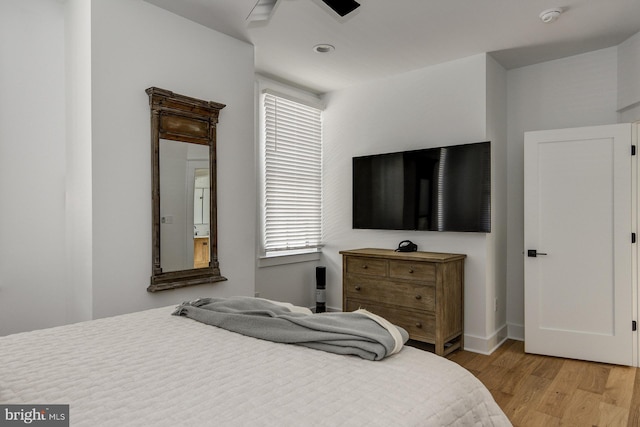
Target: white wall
(570, 92)
(439, 105)
(134, 46)
(629, 79)
(75, 180)
(32, 165)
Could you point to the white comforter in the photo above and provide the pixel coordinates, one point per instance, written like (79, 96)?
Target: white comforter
(153, 369)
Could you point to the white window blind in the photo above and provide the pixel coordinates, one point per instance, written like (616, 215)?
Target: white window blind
(293, 175)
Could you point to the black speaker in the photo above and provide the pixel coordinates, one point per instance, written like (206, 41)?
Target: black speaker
(321, 286)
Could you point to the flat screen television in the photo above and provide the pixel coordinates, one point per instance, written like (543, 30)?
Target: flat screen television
(433, 189)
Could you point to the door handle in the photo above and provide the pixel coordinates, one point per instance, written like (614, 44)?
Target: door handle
(533, 253)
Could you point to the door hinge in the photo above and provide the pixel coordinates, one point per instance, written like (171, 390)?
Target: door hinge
(634, 326)
(633, 237)
(633, 150)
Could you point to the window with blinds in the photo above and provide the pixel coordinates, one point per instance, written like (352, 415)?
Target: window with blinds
(293, 175)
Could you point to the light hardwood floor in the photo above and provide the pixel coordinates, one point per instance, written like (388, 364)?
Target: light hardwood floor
(547, 391)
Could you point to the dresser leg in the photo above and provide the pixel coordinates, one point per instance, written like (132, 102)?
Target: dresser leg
(439, 348)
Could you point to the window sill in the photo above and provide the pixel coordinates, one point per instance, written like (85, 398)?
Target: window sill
(290, 257)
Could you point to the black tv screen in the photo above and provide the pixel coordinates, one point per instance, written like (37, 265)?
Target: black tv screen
(434, 189)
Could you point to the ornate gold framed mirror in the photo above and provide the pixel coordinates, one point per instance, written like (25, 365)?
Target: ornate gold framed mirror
(183, 194)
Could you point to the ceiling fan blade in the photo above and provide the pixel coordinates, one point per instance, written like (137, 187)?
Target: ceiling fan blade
(342, 7)
(262, 10)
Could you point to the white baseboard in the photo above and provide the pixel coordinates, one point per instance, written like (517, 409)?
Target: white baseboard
(485, 345)
(516, 332)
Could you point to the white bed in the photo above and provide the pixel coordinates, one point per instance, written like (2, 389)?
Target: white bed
(152, 368)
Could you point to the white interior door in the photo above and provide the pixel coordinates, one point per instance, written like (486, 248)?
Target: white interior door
(578, 219)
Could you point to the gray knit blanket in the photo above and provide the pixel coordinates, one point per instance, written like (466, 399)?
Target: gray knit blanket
(357, 333)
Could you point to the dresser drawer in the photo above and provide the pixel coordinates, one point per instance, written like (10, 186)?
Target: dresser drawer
(420, 326)
(424, 272)
(406, 294)
(368, 266)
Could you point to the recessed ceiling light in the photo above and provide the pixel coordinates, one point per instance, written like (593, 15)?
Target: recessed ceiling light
(323, 48)
(550, 15)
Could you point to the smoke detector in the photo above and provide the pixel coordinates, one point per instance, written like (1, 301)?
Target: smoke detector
(550, 15)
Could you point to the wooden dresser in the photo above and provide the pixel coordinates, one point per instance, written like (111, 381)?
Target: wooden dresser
(422, 292)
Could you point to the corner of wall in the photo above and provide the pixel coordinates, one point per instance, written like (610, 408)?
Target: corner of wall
(516, 331)
(486, 345)
(78, 205)
(628, 72)
(496, 132)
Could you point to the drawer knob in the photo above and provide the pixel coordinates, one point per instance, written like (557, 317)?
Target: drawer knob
(365, 266)
(418, 296)
(357, 288)
(418, 325)
(411, 271)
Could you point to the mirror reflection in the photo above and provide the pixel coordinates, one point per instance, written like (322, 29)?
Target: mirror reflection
(184, 205)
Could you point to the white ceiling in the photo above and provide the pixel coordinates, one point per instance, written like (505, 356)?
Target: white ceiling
(387, 37)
